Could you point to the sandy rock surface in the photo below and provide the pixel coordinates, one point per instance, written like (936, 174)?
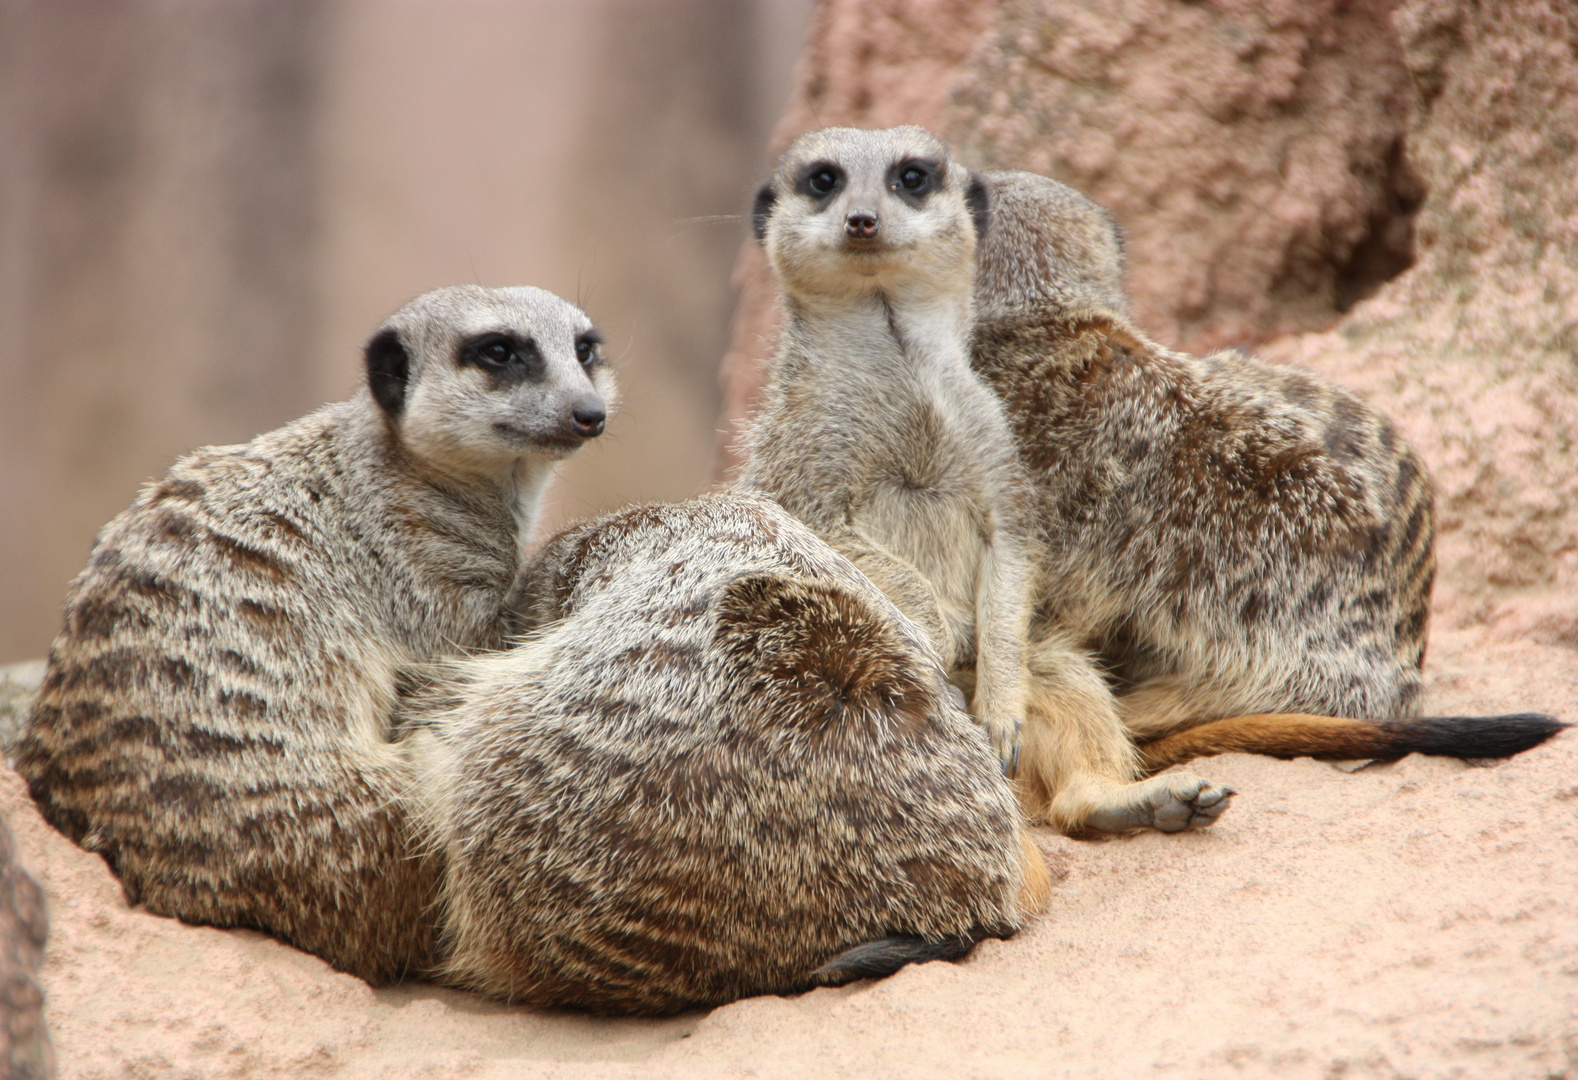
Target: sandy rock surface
(1412, 920)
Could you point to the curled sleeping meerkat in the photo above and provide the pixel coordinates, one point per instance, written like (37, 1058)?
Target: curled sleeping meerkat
(874, 431)
(215, 716)
(719, 763)
(1223, 536)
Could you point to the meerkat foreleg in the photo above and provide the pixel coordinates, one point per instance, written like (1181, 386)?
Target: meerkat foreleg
(1078, 767)
(1002, 614)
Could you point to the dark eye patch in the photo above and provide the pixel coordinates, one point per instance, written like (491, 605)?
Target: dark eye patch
(820, 180)
(507, 359)
(587, 351)
(914, 178)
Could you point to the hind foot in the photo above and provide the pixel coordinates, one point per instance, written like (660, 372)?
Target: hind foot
(1169, 804)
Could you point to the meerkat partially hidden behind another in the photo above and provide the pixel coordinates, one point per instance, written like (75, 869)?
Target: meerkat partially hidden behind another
(215, 718)
(875, 432)
(720, 763)
(1225, 536)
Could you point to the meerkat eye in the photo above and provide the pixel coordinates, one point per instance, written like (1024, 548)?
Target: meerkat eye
(823, 180)
(500, 352)
(914, 179)
(586, 348)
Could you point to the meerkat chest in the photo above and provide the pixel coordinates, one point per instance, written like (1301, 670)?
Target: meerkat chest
(932, 497)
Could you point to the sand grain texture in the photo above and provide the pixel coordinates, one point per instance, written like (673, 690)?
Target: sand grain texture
(1410, 920)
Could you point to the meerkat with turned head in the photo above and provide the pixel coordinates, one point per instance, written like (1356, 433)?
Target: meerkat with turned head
(1221, 536)
(215, 719)
(719, 763)
(876, 433)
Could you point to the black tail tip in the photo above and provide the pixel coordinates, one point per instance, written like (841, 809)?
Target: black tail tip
(881, 957)
(1482, 736)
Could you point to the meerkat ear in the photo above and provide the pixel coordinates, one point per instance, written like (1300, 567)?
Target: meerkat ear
(761, 209)
(388, 365)
(979, 198)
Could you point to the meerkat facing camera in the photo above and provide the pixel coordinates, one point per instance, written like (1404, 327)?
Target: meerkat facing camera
(719, 763)
(875, 432)
(1225, 536)
(215, 716)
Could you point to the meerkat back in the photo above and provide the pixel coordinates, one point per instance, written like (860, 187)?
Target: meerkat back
(215, 717)
(720, 764)
(1230, 536)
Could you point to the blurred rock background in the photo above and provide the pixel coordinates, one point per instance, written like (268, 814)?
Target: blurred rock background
(206, 208)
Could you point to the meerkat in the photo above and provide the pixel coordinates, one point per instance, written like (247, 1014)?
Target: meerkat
(215, 719)
(1223, 536)
(876, 433)
(718, 763)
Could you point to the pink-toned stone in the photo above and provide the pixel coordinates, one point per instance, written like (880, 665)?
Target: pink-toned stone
(25, 1051)
(1252, 151)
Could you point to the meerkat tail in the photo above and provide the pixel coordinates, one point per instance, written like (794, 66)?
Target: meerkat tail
(880, 958)
(1335, 738)
(1037, 887)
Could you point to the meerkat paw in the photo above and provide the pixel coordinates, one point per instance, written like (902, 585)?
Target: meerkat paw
(1006, 741)
(1005, 738)
(1168, 804)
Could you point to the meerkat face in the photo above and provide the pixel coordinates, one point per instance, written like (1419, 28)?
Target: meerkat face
(477, 379)
(850, 211)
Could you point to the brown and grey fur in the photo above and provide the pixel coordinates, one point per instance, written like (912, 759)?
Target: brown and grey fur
(875, 432)
(1223, 536)
(720, 763)
(215, 718)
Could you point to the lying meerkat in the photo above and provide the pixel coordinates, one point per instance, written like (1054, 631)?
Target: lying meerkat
(215, 717)
(875, 432)
(720, 763)
(1223, 535)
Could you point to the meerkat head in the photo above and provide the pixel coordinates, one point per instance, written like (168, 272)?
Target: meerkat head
(1051, 250)
(477, 380)
(850, 212)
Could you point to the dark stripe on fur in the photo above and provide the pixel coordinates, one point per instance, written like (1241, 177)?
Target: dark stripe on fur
(1332, 738)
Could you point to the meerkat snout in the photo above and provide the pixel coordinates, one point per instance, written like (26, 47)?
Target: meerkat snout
(588, 416)
(862, 226)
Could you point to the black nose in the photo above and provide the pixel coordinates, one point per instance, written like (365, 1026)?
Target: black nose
(588, 415)
(861, 226)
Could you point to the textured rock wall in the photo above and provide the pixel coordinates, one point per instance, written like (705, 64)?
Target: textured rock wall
(25, 1052)
(1381, 192)
(1475, 349)
(1251, 149)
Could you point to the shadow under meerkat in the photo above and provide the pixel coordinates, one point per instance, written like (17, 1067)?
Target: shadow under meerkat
(1222, 536)
(719, 763)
